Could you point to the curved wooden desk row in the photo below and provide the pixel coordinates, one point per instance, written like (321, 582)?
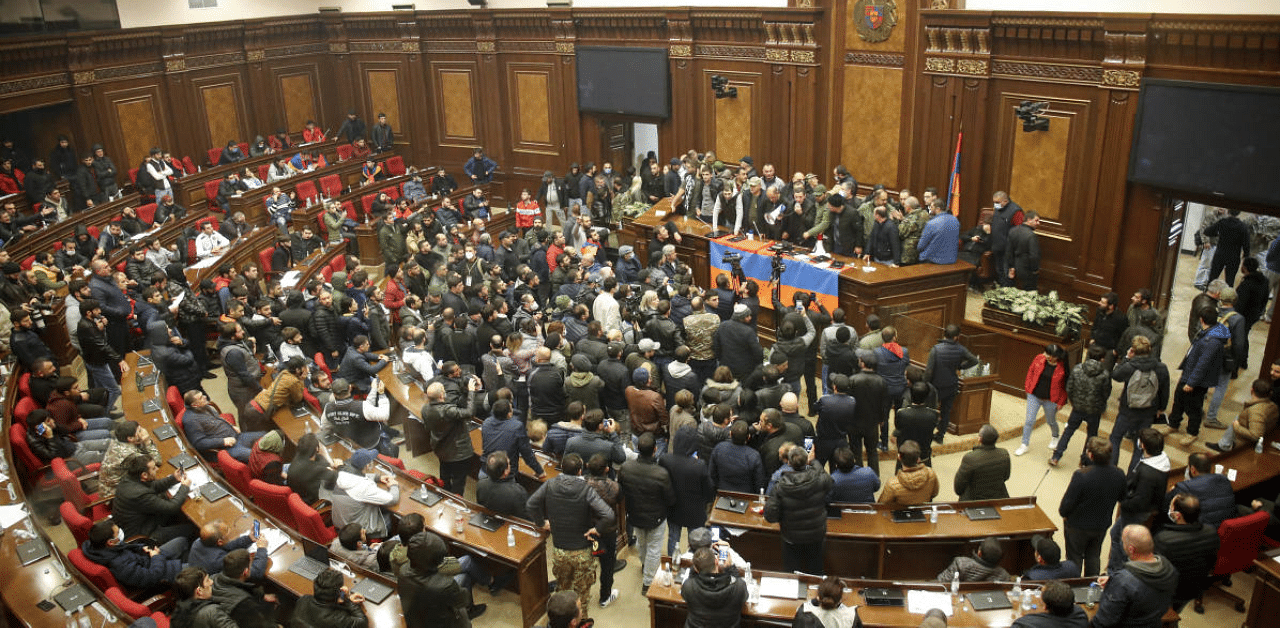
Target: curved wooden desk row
(527, 556)
(865, 542)
(190, 188)
(43, 239)
(26, 586)
(241, 252)
(1255, 473)
(168, 234)
(253, 202)
(668, 608)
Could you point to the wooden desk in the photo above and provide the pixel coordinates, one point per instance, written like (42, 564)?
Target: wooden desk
(241, 521)
(253, 203)
(866, 543)
(168, 234)
(933, 294)
(528, 556)
(668, 608)
(1265, 601)
(1255, 473)
(43, 239)
(239, 253)
(26, 586)
(189, 189)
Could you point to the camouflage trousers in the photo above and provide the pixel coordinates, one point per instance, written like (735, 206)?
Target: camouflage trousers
(574, 569)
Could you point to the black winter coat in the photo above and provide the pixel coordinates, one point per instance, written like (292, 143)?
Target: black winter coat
(646, 487)
(1192, 548)
(798, 504)
(691, 481)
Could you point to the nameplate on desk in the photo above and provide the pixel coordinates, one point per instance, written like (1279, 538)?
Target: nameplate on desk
(907, 516)
(31, 551)
(301, 411)
(732, 504)
(308, 567)
(183, 461)
(147, 379)
(406, 378)
(487, 522)
(981, 513)
(426, 498)
(373, 591)
(74, 598)
(164, 432)
(151, 405)
(213, 491)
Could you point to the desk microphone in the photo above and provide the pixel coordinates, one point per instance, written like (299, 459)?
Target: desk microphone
(1046, 474)
(916, 585)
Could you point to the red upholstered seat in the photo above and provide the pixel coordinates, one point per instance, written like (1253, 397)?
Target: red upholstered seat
(147, 213)
(308, 522)
(133, 175)
(350, 209)
(128, 606)
(174, 399)
(24, 385)
(244, 148)
(331, 185)
(27, 458)
(215, 154)
(306, 190)
(273, 499)
(189, 165)
(327, 273)
(73, 491)
(344, 152)
(200, 223)
(264, 261)
(97, 574)
(367, 200)
(1240, 539)
(395, 166)
(395, 462)
(320, 359)
(211, 193)
(236, 472)
(27, 262)
(393, 192)
(94, 231)
(338, 263)
(23, 408)
(311, 400)
(76, 522)
(262, 172)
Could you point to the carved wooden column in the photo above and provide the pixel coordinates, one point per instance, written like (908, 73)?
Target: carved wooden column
(341, 75)
(566, 37)
(80, 65)
(415, 122)
(187, 138)
(679, 132)
(261, 88)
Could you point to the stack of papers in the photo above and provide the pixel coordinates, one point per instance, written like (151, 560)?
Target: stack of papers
(919, 602)
(290, 279)
(275, 539)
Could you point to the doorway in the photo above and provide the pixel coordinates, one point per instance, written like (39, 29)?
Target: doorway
(616, 143)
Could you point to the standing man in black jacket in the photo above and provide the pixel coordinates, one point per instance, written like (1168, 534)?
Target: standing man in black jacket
(737, 343)
(646, 487)
(352, 128)
(383, 137)
(872, 395)
(97, 352)
(1109, 324)
(1233, 245)
(946, 360)
(1006, 216)
(798, 504)
(1023, 255)
(573, 511)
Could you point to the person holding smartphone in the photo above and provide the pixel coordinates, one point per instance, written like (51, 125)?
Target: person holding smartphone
(331, 605)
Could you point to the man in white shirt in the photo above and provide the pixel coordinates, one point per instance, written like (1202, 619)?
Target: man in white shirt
(419, 358)
(210, 242)
(605, 308)
(160, 172)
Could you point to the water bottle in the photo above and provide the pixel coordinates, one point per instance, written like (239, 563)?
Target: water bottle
(4, 464)
(13, 497)
(1016, 592)
(85, 622)
(1257, 449)
(1095, 594)
(71, 620)
(511, 536)
(955, 584)
(933, 514)
(1026, 600)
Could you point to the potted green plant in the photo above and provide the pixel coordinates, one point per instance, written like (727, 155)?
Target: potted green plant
(1044, 311)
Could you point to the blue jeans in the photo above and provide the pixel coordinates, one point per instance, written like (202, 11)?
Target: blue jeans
(660, 445)
(649, 548)
(1117, 557)
(1202, 269)
(102, 377)
(472, 573)
(244, 445)
(95, 429)
(1219, 393)
(673, 537)
(1034, 404)
(826, 387)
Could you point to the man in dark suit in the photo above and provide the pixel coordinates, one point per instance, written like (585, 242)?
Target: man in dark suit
(1023, 255)
(845, 234)
(142, 505)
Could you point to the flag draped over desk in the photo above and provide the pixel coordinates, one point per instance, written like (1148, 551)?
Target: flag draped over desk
(757, 264)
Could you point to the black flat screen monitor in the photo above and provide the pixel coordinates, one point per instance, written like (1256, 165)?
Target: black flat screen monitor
(1209, 139)
(624, 81)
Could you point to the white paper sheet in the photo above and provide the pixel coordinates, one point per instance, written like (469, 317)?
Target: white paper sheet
(275, 539)
(784, 588)
(919, 602)
(12, 514)
(290, 279)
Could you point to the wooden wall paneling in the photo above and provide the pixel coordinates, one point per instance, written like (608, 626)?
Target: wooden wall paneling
(221, 101)
(803, 139)
(1117, 110)
(679, 133)
(456, 104)
(382, 83)
(491, 133)
(136, 121)
(296, 94)
(871, 120)
(734, 127)
(415, 129)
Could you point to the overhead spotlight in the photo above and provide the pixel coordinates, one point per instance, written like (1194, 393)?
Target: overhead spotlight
(1029, 112)
(720, 85)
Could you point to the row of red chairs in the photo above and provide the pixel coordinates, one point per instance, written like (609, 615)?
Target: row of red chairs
(330, 185)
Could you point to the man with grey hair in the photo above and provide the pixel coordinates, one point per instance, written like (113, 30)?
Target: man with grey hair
(669, 263)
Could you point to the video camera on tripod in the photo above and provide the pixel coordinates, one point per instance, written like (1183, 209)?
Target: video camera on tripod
(734, 260)
(779, 267)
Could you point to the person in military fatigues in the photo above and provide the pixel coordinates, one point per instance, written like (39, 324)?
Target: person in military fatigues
(910, 228)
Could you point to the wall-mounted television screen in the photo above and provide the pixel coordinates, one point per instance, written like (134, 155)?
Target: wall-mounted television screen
(624, 81)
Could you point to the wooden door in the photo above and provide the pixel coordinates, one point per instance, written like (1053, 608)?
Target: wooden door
(616, 143)
(1173, 224)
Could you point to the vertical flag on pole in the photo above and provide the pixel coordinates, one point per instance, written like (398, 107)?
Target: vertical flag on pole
(953, 190)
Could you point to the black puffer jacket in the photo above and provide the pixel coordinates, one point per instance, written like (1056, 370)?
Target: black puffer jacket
(429, 598)
(312, 613)
(1144, 489)
(177, 364)
(1137, 596)
(327, 333)
(1192, 548)
(447, 424)
(573, 507)
(690, 479)
(872, 395)
(647, 491)
(715, 600)
(798, 504)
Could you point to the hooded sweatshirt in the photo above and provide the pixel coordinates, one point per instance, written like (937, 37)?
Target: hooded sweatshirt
(583, 385)
(912, 486)
(1088, 387)
(1138, 595)
(714, 599)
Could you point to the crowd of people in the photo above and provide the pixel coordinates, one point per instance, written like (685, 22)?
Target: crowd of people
(652, 393)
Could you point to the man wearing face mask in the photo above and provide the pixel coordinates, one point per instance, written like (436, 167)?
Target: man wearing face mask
(133, 565)
(1191, 546)
(1007, 215)
(1217, 498)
